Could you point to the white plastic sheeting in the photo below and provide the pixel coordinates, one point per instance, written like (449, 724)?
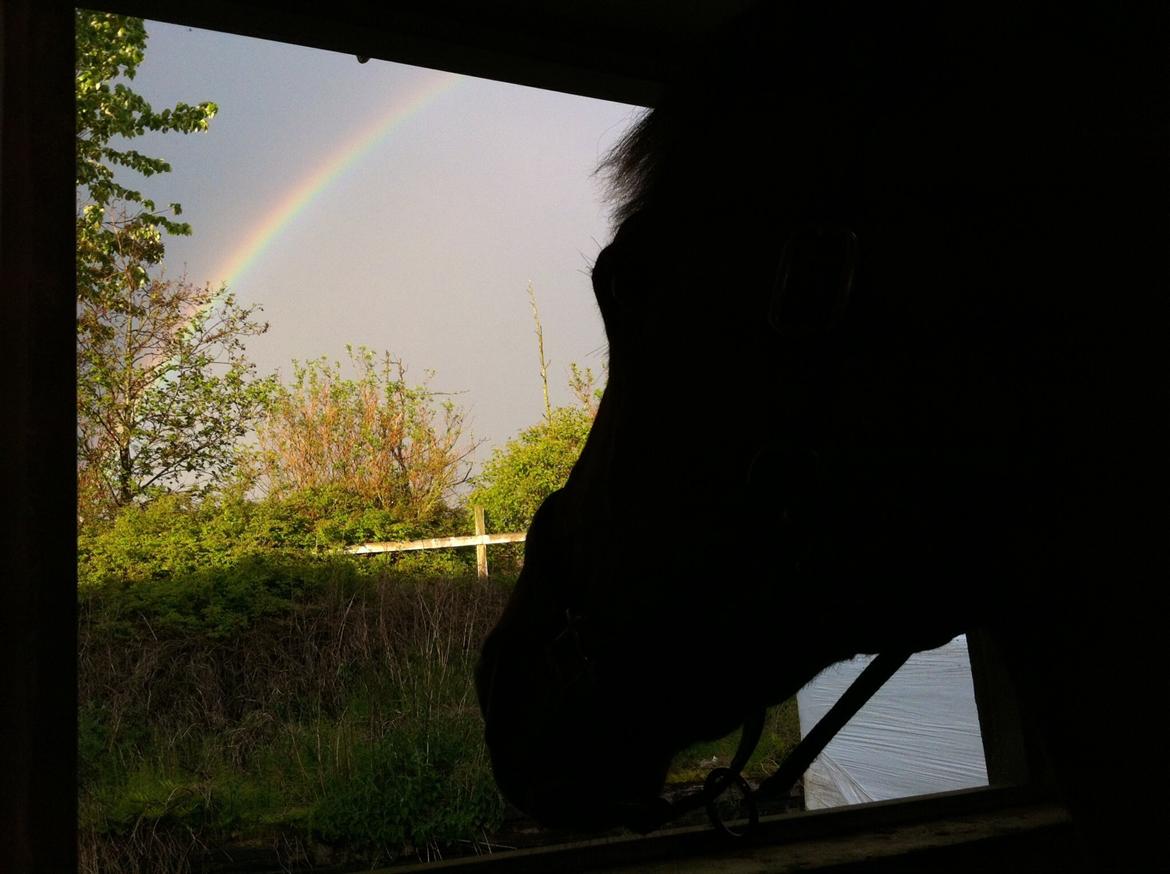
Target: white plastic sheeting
(918, 734)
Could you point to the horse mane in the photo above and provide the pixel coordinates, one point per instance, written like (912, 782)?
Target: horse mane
(740, 118)
(753, 75)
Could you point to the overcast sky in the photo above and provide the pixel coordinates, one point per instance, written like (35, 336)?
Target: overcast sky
(420, 237)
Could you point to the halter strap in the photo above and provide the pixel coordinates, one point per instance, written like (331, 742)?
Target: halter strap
(814, 280)
(810, 294)
(648, 817)
(875, 675)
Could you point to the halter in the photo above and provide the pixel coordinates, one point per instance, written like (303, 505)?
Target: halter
(648, 817)
(811, 292)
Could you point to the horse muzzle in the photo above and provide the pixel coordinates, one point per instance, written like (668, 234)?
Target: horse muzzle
(562, 750)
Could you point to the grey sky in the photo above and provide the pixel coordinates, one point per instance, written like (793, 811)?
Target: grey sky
(425, 245)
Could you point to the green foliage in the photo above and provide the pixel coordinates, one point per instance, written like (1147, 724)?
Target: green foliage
(398, 447)
(780, 736)
(93, 741)
(164, 392)
(281, 701)
(168, 537)
(119, 231)
(176, 541)
(158, 818)
(215, 601)
(164, 388)
(160, 798)
(519, 476)
(412, 788)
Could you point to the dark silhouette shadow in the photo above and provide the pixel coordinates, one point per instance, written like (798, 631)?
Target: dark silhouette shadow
(886, 308)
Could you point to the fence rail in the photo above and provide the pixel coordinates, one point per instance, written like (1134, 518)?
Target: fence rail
(436, 543)
(481, 540)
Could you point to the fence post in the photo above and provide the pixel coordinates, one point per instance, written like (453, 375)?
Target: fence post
(481, 548)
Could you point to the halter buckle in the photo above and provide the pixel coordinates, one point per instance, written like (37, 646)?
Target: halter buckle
(814, 280)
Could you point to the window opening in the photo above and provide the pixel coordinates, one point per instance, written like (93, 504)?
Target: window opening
(413, 212)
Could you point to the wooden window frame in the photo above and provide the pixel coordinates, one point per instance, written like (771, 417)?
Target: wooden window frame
(38, 607)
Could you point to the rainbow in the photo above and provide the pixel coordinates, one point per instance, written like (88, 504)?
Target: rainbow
(257, 241)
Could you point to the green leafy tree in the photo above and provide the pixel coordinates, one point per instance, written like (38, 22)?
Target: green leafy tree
(164, 387)
(119, 230)
(520, 475)
(526, 470)
(395, 446)
(165, 392)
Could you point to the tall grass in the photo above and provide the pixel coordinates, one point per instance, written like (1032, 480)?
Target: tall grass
(317, 711)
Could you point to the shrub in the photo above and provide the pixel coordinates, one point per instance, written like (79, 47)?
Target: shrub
(175, 538)
(214, 601)
(518, 477)
(418, 786)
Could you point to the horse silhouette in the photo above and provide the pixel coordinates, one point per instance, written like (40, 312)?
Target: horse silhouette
(882, 344)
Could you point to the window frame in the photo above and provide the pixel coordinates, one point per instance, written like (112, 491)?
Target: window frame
(39, 600)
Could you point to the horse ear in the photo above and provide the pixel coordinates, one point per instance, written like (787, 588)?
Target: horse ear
(814, 280)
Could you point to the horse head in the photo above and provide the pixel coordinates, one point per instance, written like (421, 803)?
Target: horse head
(844, 409)
(667, 589)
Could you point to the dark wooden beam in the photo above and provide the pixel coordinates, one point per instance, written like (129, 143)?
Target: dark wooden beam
(602, 50)
(970, 831)
(38, 640)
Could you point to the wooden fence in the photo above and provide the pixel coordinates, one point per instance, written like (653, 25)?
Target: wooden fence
(481, 540)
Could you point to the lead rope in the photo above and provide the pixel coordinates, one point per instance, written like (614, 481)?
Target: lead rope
(822, 255)
(875, 675)
(647, 818)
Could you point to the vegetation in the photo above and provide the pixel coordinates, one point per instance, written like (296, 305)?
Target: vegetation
(164, 387)
(780, 736)
(242, 681)
(519, 476)
(165, 391)
(241, 685)
(119, 231)
(314, 706)
(398, 448)
(174, 537)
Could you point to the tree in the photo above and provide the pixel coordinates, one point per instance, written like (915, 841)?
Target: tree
(165, 391)
(398, 447)
(119, 231)
(519, 476)
(540, 351)
(583, 385)
(164, 388)
(526, 470)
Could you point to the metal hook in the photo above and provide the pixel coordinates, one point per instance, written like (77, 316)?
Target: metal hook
(730, 777)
